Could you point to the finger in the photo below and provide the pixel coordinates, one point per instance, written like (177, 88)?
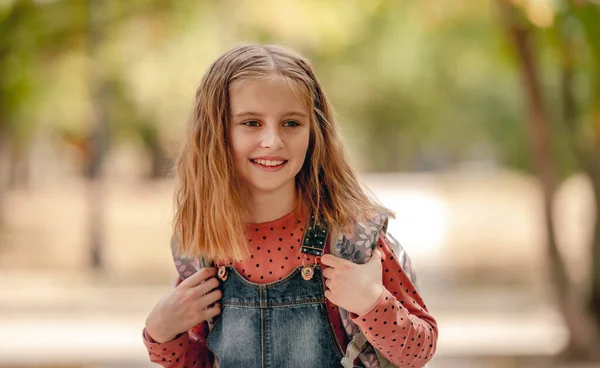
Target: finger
(206, 286)
(328, 272)
(199, 276)
(328, 284)
(333, 261)
(329, 295)
(376, 256)
(211, 312)
(210, 298)
(175, 282)
(212, 305)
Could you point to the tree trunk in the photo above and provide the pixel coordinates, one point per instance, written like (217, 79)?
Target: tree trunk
(98, 136)
(15, 14)
(595, 277)
(583, 337)
(3, 141)
(18, 165)
(161, 164)
(586, 156)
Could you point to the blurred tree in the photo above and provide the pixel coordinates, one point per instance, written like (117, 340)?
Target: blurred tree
(107, 101)
(578, 29)
(98, 138)
(127, 118)
(15, 90)
(419, 85)
(413, 93)
(581, 312)
(34, 35)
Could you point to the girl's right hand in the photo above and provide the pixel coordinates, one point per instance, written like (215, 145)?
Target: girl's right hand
(186, 304)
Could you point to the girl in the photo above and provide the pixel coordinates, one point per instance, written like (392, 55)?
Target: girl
(293, 260)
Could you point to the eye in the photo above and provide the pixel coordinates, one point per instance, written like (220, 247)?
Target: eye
(291, 123)
(251, 123)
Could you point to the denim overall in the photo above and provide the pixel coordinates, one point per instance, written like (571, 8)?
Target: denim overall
(279, 324)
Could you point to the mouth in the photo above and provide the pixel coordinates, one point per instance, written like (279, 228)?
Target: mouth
(269, 165)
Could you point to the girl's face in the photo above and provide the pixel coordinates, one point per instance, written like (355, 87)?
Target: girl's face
(269, 133)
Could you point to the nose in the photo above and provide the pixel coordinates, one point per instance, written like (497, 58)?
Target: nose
(271, 138)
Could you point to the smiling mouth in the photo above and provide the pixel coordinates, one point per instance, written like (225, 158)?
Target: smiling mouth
(269, 163)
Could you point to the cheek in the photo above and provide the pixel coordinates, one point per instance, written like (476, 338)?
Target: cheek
(239, 148)
(301, 145)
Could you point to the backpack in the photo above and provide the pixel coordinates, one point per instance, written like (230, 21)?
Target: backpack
(356, 246)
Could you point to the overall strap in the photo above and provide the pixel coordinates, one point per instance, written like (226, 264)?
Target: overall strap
(315, 238)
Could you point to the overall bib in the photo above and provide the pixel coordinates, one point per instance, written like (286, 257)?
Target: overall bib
(279, 324)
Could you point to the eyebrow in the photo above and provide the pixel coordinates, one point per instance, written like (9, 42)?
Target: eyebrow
(250, 113)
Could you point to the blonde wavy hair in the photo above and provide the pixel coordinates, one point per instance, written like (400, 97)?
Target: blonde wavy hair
(211, 218)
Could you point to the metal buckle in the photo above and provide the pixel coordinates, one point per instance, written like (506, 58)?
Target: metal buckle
(222, 273)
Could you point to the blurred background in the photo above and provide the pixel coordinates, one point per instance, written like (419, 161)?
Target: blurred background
(478, 122)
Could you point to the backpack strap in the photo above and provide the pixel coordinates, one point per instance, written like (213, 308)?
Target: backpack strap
(354, 348)
(187, 266)
(357, 246)
(402, 258)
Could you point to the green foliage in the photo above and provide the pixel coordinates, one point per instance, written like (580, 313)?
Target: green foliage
(416, 85)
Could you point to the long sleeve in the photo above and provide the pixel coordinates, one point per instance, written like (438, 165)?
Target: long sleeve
(399, 325)
(188, 350)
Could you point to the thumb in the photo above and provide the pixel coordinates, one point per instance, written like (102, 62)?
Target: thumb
(376, 257)
(175, 282)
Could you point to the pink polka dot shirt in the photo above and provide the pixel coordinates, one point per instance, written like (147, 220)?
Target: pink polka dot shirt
(398, 325)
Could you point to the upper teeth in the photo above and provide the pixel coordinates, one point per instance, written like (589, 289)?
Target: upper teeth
(268, 162)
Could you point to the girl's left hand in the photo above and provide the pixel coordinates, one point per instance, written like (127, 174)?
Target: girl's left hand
(354, 287)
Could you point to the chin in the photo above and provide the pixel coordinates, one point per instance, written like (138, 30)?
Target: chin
(267, 188)
(273, 186)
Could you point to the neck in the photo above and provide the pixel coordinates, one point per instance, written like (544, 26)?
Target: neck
(269, 206)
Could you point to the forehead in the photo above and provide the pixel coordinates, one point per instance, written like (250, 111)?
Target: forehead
(273, 94)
